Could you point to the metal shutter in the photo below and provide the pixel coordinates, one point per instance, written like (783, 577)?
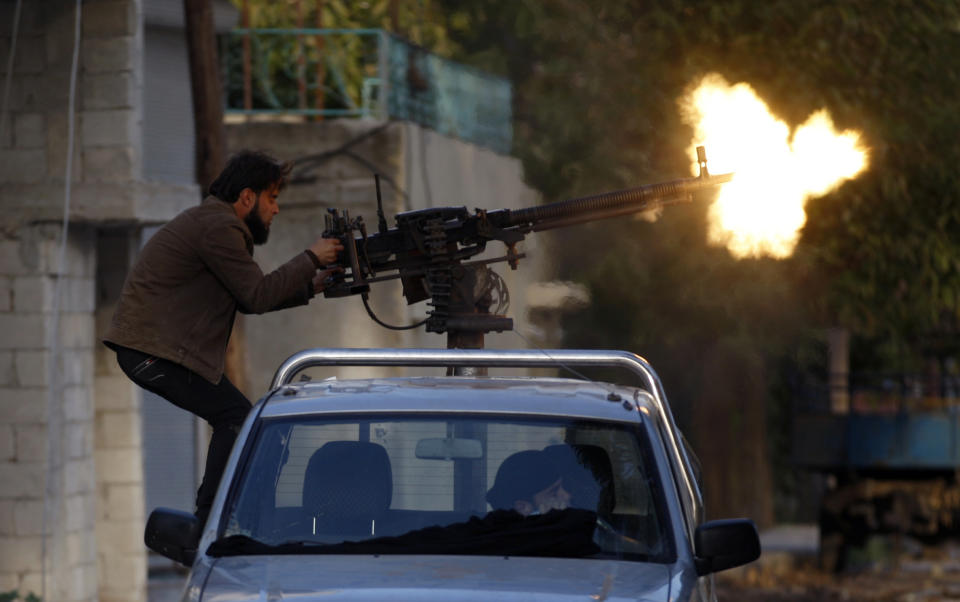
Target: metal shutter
(168, 137)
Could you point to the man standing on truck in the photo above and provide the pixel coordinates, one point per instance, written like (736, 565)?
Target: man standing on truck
(177, 306)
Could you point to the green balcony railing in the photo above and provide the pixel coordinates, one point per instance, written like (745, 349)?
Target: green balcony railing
(363, 73)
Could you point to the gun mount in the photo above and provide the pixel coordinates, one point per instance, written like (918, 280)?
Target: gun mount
(429, 250)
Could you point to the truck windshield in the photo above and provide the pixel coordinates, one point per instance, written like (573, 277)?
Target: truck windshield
(442, 484)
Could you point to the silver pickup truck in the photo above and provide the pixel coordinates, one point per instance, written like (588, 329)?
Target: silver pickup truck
(457, 488)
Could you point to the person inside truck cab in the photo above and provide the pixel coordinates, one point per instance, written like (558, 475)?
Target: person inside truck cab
(530, 483)
(177, 306)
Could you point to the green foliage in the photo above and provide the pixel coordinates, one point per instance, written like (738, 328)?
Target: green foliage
(596, 91)
(346, 60)
(415, 21)
(597, 86)
(14, 596)
(883, 250)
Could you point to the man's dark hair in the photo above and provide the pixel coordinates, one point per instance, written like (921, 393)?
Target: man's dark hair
(249, 169)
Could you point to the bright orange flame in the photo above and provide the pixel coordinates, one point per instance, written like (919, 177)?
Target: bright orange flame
(761, 211)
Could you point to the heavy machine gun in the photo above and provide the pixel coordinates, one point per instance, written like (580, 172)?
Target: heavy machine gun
(429, 250)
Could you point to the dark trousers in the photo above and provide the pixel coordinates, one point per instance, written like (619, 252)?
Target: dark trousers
(222, 405)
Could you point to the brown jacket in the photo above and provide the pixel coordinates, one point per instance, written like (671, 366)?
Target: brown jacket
(180, 298)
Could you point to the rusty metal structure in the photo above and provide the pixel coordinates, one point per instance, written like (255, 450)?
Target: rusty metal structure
(890, 459)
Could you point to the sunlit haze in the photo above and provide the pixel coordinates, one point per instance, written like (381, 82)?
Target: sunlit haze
(761, 211)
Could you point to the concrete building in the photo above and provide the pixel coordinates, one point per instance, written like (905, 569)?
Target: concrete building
(78, 441)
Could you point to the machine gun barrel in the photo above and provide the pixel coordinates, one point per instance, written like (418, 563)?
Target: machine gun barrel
(609, 204)
(429, 249)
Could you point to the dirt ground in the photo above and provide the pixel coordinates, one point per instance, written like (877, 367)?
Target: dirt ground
(928, 575)
(882, 587)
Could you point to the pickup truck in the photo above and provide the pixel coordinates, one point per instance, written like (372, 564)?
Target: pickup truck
(461, 487)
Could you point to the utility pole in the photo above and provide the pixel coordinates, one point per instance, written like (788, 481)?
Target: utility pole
(321, 66)
(205, 88)
(210, 141)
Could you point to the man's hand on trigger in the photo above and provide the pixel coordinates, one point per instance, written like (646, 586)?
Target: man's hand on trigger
(326, 250)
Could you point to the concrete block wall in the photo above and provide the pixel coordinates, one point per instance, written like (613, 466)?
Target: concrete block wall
(110, 104)
(107, 89)
(108, 111)
(46, 458)
(69, 431)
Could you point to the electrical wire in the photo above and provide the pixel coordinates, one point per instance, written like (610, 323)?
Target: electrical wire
(305, 164)
(306, 179)
(54, 386)
(610, 387)
(15, 33)
(308, 161)
(531, 345)
(373, 316)
(373, 168)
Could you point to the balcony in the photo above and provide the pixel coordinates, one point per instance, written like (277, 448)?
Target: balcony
(362, 73)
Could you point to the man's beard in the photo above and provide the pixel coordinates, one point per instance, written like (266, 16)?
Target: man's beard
(259, 230)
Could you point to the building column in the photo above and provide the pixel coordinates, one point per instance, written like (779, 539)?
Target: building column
(121, 556)
(46, 415)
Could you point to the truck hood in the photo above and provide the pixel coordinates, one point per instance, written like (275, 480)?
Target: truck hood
(424, 578)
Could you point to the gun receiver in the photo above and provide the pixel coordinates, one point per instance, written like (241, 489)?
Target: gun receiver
(428, 249)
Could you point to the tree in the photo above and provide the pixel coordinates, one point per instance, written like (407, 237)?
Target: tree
(596, 89)
(597, 86)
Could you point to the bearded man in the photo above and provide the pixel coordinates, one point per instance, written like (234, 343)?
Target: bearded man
(177, 307)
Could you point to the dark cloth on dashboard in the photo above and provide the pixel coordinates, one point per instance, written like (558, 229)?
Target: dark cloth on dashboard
(559, 533)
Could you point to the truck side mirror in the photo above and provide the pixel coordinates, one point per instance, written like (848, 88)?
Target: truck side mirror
(174, 534)
(724, 544)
